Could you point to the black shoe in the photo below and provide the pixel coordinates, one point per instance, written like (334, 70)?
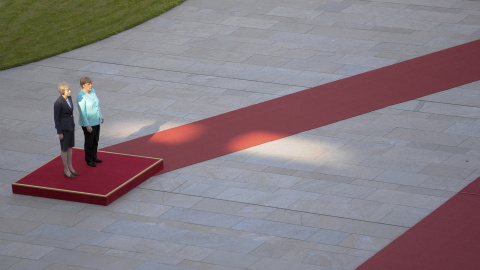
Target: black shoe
(97, 160)
(91, 164)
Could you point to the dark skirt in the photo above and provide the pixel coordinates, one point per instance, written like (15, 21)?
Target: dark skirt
(68, 140)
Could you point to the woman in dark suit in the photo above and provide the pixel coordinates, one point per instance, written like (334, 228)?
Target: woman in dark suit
(63, 116)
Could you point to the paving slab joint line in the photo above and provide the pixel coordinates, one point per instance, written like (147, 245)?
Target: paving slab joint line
(280, 208)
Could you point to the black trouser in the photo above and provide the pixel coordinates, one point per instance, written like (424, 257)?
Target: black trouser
(91, 143)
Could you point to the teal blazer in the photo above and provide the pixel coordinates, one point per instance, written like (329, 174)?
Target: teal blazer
(89, 109)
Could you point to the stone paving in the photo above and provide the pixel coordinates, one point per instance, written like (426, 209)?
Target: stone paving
(327, 198)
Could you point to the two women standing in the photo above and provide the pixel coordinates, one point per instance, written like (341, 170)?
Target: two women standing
(90, 119)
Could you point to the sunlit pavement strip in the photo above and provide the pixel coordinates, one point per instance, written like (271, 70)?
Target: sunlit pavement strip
(328, 198)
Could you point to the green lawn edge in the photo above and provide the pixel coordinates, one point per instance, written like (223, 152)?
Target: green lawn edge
(33, 30)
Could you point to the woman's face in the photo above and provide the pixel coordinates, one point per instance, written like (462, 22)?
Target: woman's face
(87, 87)
(67, 93)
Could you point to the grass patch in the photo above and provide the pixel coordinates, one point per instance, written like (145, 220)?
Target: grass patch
(32, 30)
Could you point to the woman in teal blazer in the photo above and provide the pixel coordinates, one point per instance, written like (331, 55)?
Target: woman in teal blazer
(90, 118)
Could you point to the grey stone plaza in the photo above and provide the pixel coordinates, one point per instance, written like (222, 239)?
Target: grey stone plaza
(325, 199)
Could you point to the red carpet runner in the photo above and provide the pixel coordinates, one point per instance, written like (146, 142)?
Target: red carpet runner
(308, 109)
(447, 239)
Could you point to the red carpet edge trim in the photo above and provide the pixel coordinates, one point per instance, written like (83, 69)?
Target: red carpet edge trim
(135, 177)
(61, 190)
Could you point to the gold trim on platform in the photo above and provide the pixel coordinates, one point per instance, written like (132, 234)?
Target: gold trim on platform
(127, 154)
(136, 176)
(61, 190)
(92, 194)
(159, 160)
(36, 169)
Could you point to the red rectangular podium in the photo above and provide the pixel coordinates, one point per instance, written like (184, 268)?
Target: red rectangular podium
(115, 176)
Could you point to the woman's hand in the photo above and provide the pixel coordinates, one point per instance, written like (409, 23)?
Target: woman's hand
(89, 129)
(60, 136)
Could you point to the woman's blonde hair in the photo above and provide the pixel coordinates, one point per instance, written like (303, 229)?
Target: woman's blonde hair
(62, 87)
(85, 80)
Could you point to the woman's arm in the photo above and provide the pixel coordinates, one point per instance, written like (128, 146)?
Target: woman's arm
(82, 110)
(99, 110)
(57, 110)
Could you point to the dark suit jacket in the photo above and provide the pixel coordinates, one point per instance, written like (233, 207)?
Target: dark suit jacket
(63, 115)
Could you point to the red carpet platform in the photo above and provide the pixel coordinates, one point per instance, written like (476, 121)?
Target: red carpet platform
(118, 174)
(448, 238)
